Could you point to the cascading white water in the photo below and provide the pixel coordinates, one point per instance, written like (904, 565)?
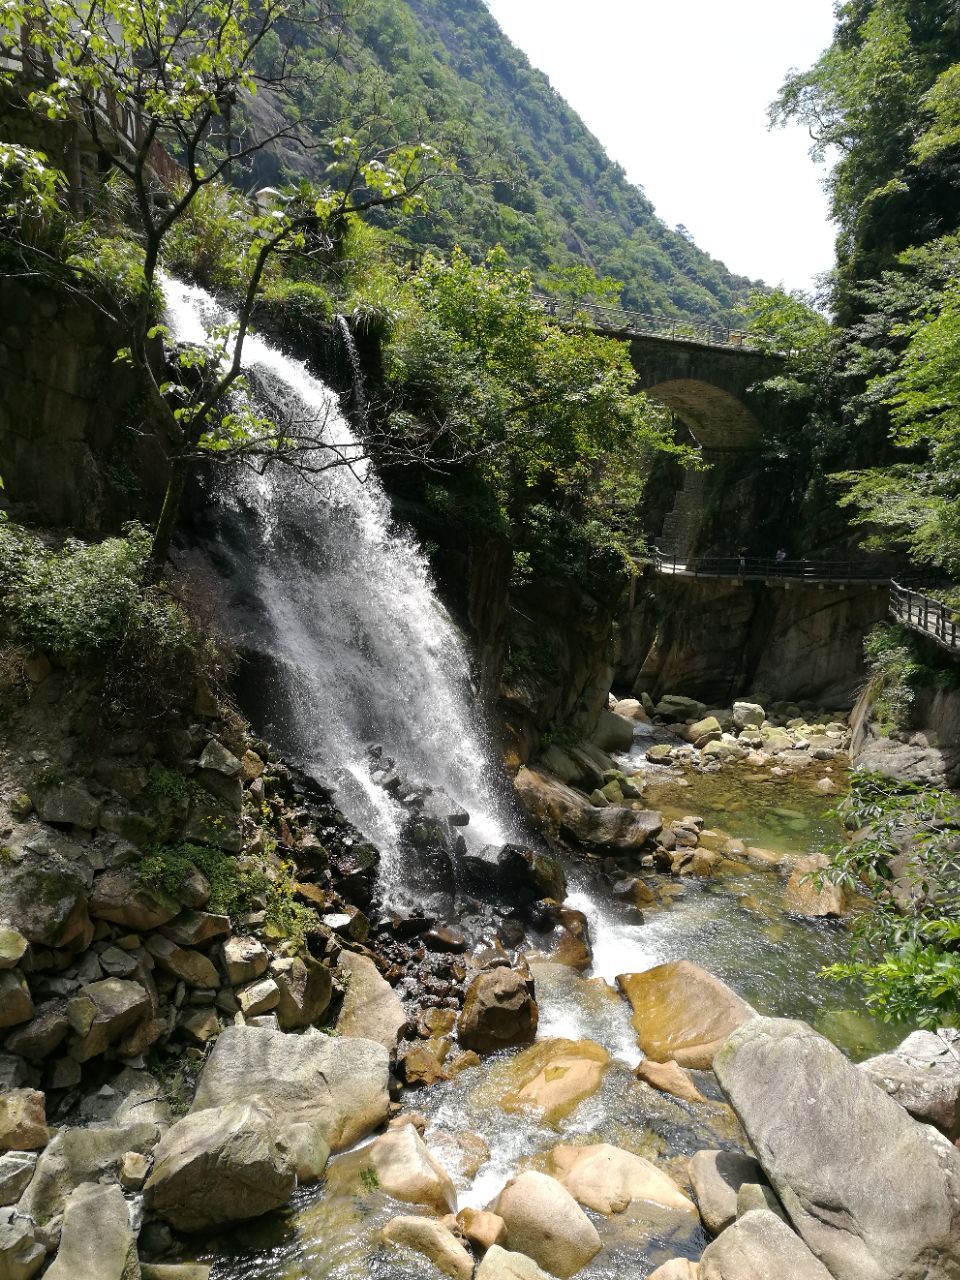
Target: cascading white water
(344, 603)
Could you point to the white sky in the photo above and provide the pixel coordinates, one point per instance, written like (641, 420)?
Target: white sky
(677, 91)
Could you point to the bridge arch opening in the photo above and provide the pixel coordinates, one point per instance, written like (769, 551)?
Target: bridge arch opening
(715, 418)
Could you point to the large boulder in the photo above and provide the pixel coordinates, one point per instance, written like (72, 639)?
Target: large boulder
(526, 876)
(96, 1241)
(371, 1008)
(336, 1086)
(44, 897)
(102, 1011)
(716, 1178)
(23, 1120)
(607, 1179)
(502, 1264)
(546, 1223)
(760, 1246)
(434, 1241)
(16, 1170)
(123, 897)
(554, 1076)
(673, 706)
(748, 715)
(614, 732)
(923, 1075)
(682, 1013)
(305, 987)
(677, 1269)
(220, 1165)
(874, 1195)
(21, 1252)
(398, 1163)
(499, 1011)
(560, 811)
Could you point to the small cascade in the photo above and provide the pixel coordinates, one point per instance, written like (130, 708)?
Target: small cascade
(360, 402)
(355, 647)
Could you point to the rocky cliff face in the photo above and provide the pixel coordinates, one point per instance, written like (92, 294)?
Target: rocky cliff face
(71, 450)
(715, 640)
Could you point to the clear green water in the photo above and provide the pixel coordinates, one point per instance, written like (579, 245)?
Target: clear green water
(733, 924)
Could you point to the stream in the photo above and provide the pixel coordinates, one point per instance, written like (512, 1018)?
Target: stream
(335, 611)
(732, 924)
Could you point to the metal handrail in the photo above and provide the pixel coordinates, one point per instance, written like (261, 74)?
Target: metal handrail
(767, 568)
(925, 614)
(641, 324)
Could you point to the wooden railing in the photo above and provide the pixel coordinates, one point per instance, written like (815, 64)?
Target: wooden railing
(769, 568)
(640, 324)
(925, 614)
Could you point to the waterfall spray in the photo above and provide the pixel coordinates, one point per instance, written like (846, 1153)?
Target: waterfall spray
(318, 579)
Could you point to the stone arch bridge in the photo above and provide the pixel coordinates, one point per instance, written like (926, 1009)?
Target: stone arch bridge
(711, 378)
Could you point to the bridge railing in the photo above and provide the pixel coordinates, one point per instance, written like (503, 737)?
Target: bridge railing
(927, 615)
(767, 568)
(641, 324)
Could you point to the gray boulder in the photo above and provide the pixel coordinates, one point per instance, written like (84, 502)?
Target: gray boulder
(75, 1156)
(337, 1087)
(102, 1011)
(122, 897)
(501, 1264)
(760, 1246)
(21, 1253)
(923, 1075)
(305, 987)
(371, 1008)
(873, 1194)
(16, 1170)
(613, 732)
(716, 1178)
(67, 803)
(96, 1242)
(220, 1165)
(44, 897)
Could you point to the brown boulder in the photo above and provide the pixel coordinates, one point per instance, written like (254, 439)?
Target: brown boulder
(669, 1077)
(607, 1179)
(23, 1120)
(554, 1076)
(499, 1011)
(805, 897)
(681, 1012)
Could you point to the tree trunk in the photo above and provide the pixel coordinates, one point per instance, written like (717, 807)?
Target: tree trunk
(179, 470)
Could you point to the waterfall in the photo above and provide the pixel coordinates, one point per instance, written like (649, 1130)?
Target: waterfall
(356, 368)
(313, 573)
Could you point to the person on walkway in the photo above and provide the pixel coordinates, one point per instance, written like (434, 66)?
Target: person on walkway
(780, 558)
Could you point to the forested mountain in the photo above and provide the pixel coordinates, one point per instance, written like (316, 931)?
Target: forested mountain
(531, 176)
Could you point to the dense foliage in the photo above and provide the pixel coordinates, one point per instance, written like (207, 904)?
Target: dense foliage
(881, 390)
(906, 859)
(97, 602)
(531, 178)
(558, 440)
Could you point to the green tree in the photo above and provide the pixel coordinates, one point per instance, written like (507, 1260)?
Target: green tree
(179, 72)
(868, 103)
(550, 416)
